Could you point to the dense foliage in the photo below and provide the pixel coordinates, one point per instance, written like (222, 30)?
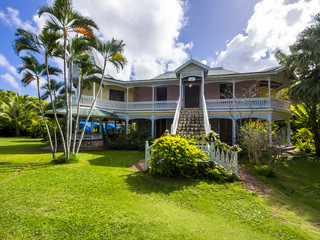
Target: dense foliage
(19, 115)
(133, 141)
(175, 156)
(304, 62)
(255, 138)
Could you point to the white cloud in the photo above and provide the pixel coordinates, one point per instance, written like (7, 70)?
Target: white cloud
(150, 29)
(12, 19)
(5, 64)
(204, 62)
(274, 25)
(11, 80)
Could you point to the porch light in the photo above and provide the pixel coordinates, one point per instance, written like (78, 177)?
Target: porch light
(190, 85)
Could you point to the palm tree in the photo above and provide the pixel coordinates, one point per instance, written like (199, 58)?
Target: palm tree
(19, 111)
(46, 45)
(56, 89)
(87, 74)
(64, 19)
(33, 71)
(112, 52)
(304, 61)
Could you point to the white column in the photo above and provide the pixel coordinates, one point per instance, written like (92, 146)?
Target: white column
(79, 86)
(127, 97)
(234, 89)
(270, 128)
(289, 133)
(152, 97)
(127, 126)
(101, 93)
(234, 131)
(94, 89)
(180, 87)
(152, 127)
(100, 126)
(269, 91)
(92, 123)
(202, 87)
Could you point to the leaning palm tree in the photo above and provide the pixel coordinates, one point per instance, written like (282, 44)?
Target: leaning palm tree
(64, 19)
(112, 52)
(33, 71)
(46, 45)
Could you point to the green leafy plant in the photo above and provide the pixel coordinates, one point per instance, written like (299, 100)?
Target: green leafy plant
(174, 156)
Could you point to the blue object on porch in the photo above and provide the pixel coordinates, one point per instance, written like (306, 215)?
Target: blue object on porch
(96, 124)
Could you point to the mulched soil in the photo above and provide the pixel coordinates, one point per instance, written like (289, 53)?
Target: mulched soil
(138, 166)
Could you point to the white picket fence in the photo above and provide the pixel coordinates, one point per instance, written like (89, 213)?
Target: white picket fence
(219, 154)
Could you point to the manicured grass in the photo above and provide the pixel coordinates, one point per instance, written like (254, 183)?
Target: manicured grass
(100, 198)
(296, 185)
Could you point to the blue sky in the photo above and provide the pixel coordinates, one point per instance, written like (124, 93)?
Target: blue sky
(241, 35)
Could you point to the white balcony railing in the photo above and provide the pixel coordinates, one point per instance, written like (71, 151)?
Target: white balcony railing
(247, 103)
(171, 106)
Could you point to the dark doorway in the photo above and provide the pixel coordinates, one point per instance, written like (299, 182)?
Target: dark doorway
(226, 130)
(192, 96)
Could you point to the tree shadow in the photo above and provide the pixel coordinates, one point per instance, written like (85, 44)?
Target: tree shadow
(145, 183)
(6, 167)
(119, 159)
(23, 149)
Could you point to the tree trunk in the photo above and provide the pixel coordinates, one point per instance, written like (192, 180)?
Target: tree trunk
(44, 120)
(77, 122)
(70, 102)
(55, 138)
(93, 103)
(17, 131)
(67, 152)
(54, 107)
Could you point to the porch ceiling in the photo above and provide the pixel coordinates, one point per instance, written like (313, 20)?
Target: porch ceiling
(84, 112)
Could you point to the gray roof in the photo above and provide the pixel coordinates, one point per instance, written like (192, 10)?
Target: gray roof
(166, 75)
(272, 69)
(219, 71)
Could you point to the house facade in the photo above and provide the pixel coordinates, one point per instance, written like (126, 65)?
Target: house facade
(222, 97)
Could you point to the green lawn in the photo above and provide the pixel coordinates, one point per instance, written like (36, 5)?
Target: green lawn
(100, 198)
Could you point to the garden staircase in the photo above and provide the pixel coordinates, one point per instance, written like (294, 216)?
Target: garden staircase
(191, 122)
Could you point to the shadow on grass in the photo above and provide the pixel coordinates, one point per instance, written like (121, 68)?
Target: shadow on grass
(19, 167)
(144, 183)
(120, 159)
(23, 149)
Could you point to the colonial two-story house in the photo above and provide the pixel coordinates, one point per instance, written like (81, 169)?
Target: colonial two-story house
(193, 99)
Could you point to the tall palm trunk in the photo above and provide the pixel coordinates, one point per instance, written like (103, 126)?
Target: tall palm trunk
(54, 108)
(77, 122)
(67, 152)
(45, 121)
(93, 103)
(70, 102)
(55, 138)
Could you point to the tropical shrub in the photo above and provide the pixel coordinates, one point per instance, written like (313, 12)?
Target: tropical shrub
(254, 136)
(174, 156)
(133, 141)
(304, 140)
